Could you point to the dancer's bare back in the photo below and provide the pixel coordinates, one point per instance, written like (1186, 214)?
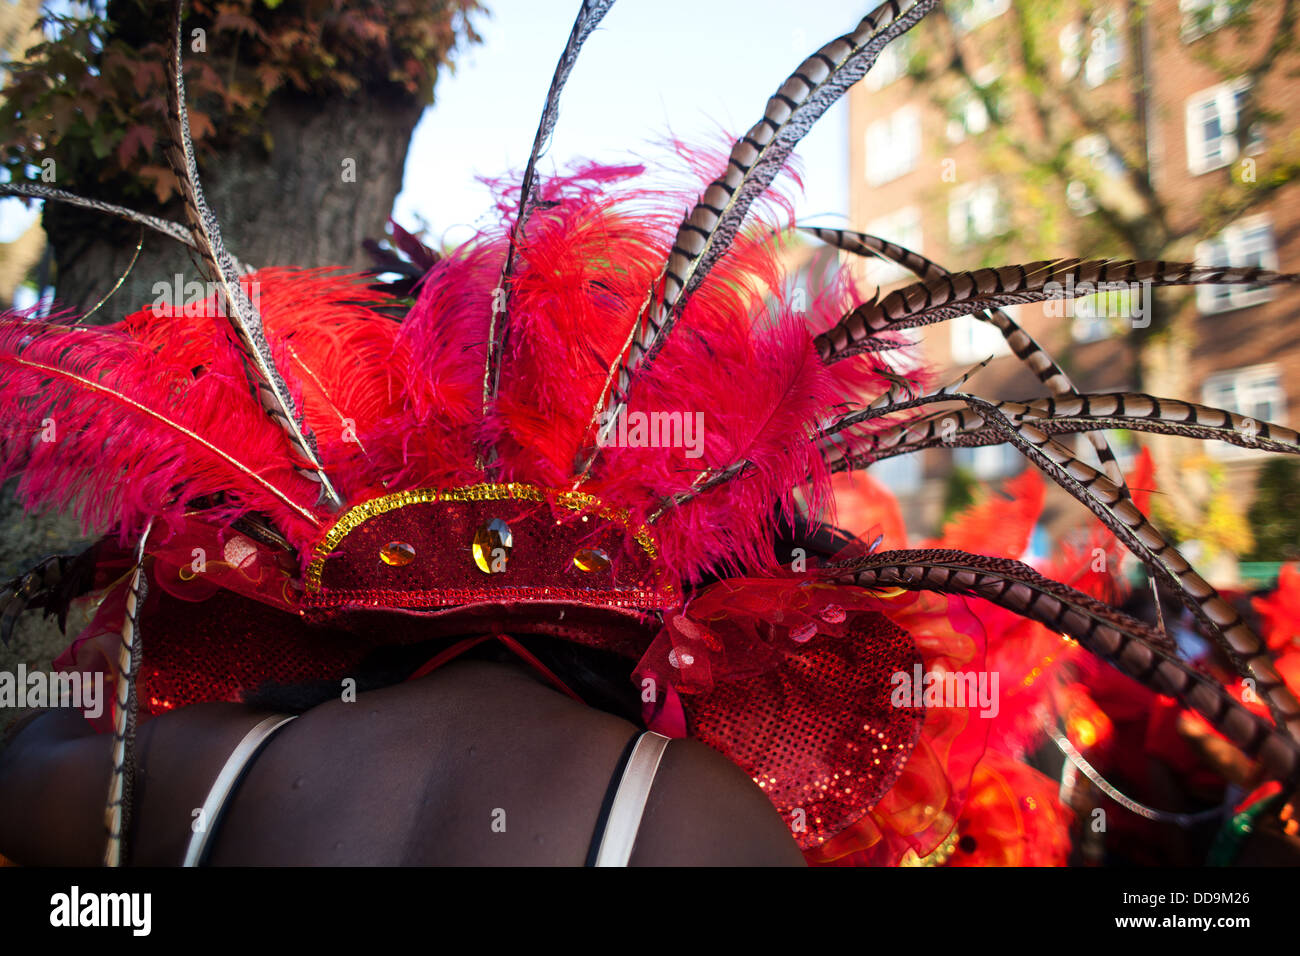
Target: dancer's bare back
(479, 763)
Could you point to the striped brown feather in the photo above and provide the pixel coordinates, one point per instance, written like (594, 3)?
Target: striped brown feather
(707, 231)
(1131, 646)
(267, 383)
(1021, 343)
(964, 293)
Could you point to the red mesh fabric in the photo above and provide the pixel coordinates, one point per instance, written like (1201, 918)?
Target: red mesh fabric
(790, 678)
(822, 765)
(1012, 817)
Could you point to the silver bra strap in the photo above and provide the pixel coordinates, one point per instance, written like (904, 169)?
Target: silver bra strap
(225, 783)
(629, 800)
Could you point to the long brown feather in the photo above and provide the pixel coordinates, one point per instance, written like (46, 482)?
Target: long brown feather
(1128, 644)
(267, 383)
(117, 811)
(1248, 653)
(1021, 343)
(708, 230)
(589, 15)
(172, 230)
(965, 293)
(1080, 412)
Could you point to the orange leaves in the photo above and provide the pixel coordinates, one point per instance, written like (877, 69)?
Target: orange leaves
(162, 179)
(230, 19)
(138, 137)
(200, 125)
(97, 89)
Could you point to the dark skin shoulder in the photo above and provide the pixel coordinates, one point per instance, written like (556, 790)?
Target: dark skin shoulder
(479, 763)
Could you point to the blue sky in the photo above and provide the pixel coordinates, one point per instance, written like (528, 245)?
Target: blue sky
(692, 68)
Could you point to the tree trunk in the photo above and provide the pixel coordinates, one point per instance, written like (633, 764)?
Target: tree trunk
(293, 205)
(328, 182)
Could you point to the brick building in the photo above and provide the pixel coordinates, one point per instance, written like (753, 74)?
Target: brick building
(1129, 134)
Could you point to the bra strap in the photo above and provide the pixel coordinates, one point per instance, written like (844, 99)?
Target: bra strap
(225, 784)
(619, 838)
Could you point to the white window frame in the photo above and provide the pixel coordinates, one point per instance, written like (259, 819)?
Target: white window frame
(893, 145)
(1104, 54)
(1071, 43)
(1106, 49)
(970, 116)
(1249, 388)
(1102, 158)
(1194, 27)
(974, 212)
(1223, 97)
(1238, 240)
(902, 226)
(974, 340)
(966, 15)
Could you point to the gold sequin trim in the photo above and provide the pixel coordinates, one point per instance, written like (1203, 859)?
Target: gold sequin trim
(517, 491)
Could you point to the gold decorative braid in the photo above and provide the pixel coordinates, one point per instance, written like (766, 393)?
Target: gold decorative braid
(512, 490)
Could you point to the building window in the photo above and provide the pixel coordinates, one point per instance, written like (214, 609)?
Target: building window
(974, 340)
(1212, 114)
(989, 462)
(1248, 242)
(967, 113)
(1204, 16)
(968, 14)
(1097, 152)
(1255, 393)
(1105, 50)
(900, 474)
(893, 145)
(890, 65)
(974, 213)
(968, 117)
(902, 227)
(1097, 47)
(1090, 326)
(1099, 315)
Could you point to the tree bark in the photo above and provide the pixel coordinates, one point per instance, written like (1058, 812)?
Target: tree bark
(327, 183)
(291, 205)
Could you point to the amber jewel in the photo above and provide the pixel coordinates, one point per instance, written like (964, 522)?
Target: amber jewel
(492, 544)
(397, 553)
(591, 559)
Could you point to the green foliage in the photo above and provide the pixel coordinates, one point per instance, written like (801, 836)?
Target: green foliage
(958, 492)
(1275, 515)
(93, 93)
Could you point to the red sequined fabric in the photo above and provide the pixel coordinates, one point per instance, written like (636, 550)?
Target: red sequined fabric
(822, 768)
(554, 553)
